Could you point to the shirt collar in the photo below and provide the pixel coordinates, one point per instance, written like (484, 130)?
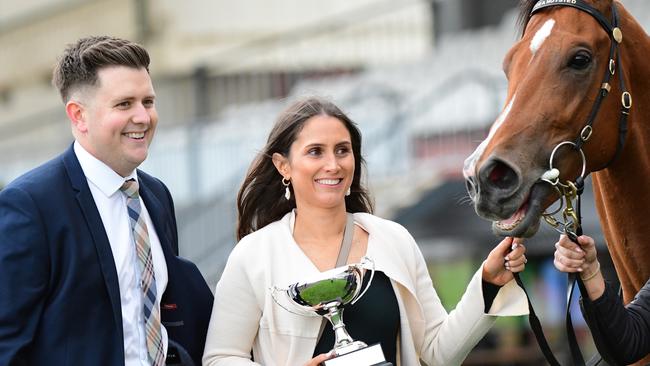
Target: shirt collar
(100, 174)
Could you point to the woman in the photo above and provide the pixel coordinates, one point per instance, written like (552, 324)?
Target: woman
(292, 213)
(624, 331)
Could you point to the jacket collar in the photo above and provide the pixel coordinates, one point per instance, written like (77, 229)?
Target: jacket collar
(384, 251)
(96, 228)
(98, 173)
(381, 249)
(159, 217)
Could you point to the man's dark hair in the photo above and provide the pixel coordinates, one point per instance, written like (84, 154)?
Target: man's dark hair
(80, 62)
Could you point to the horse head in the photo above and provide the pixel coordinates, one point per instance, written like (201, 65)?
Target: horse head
(556, 75)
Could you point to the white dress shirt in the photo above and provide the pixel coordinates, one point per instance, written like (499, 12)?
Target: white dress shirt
(105, 186)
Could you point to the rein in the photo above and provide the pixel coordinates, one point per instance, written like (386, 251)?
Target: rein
(571, 191)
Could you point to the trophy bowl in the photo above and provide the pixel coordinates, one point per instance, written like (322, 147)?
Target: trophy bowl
(326, 295)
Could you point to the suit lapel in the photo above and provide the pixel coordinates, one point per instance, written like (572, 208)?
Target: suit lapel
(96, 228)
(158, 214)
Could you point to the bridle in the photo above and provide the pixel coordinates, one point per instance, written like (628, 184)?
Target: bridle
(616, 36)
(570, 191)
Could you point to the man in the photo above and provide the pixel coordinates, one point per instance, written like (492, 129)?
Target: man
(88, 267)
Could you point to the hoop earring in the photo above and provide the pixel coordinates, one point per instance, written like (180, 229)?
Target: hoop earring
(347, 193)
(286, 183)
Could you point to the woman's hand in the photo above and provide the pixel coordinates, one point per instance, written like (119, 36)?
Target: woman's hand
(501, 262)
(319, 359)
(570, 257)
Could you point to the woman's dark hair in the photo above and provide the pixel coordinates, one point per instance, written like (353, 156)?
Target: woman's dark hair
(260, 200)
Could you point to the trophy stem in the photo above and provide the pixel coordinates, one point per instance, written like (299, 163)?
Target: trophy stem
(343, 342)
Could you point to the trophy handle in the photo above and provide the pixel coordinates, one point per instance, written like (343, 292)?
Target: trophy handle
(364, 262)
(274, 290)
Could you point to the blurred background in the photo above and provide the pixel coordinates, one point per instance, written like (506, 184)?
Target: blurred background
(422, 78)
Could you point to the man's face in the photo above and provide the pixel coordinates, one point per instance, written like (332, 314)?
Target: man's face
(118, 118)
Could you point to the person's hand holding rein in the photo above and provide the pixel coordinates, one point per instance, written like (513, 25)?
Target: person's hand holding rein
(506, 258)
(570, 258)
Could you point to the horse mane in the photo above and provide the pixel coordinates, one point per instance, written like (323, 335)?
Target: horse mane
(525, 6)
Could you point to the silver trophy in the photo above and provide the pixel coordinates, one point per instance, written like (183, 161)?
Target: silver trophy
(326, 295)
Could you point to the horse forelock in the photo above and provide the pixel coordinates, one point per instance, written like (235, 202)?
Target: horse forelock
(525, 7)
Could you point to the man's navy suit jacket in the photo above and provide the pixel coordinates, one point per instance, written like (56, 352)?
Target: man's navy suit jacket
(59, 292)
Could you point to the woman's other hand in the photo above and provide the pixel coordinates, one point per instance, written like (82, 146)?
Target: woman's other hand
(319, 359)
(570, 257)
(506, 258)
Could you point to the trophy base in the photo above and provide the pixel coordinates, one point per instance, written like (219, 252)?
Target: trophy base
(367, 356)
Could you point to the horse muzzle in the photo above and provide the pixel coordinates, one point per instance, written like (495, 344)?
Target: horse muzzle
(501, 194)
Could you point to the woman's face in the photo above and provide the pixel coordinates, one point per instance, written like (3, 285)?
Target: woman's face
(320, 163)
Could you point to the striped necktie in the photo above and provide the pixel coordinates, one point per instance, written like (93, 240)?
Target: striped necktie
(147, 276)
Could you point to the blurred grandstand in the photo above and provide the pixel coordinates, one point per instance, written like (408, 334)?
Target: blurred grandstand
(422, 78)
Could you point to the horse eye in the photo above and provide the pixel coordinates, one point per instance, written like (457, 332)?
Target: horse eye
(580, 61)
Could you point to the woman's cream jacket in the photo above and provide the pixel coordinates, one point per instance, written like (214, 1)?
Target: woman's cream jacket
(245, 316)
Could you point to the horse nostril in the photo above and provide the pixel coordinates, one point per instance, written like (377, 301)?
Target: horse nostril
(502, 176)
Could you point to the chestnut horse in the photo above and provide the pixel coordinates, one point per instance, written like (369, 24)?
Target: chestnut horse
(555, 78)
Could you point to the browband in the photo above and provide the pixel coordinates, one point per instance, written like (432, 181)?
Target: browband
(579, 4)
